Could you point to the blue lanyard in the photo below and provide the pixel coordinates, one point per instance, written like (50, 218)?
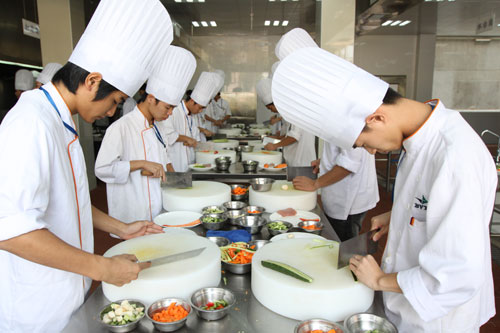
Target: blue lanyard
(71, 129)
(402, 153)
(158, 136)
(190, 123)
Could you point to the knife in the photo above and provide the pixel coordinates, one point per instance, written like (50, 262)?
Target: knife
(362, 245)
(292, 172)
(174, 179)
(173, 257)
(219, 136)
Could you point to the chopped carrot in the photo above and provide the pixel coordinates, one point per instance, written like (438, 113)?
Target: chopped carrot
(254, 212)
(239, 190)
(280, 166)
(311, 227)
(332, 331)
(170, 314)
(266, 165)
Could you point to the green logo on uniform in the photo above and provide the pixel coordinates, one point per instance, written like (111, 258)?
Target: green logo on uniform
(422, 203)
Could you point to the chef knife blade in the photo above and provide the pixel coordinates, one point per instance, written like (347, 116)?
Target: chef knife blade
(362, 244)
(174, 257)
(292, 172)
(174, 179)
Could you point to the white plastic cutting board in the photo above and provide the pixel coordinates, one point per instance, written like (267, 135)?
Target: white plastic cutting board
(176, 279)
(229, 131)
(201, 194)
(222, 145)
(333, 295)
(278, 198)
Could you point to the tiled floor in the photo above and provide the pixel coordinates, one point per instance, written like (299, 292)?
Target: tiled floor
(103, 242)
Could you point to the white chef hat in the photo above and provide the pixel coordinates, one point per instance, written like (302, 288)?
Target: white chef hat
(220, 82)
(123, 41)
(48, 72)
(264, 91)
(326, 95)
(294, 39)
(273, 67)
(170, 78)
(221, 73)
(205, 88)
(24, 80)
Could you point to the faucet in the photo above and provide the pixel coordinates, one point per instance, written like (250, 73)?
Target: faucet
(498, 145)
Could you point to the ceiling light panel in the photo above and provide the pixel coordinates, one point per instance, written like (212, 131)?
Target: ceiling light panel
(276, 23)
(284, 23)
(195, 24)
(405, 23)
(395, 23)
(267, 23)
(386, 23)
(204, 23)
(213, 23)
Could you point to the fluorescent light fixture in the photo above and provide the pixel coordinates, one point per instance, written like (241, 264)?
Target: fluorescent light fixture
(386, 23)
(405, 23)
(283, 0)
(201, 0)
(395, 23)
(19, 64)
(195, 24)
(267, 23)
(178, 0)
(189, 0)
(204, 23)
(284, 23)
(213, 23)
(276, 23)
(272, 0)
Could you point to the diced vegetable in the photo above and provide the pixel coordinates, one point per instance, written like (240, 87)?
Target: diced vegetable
(213, 211)
(210, 219)
(217, 305)
(121, 314)
(254, 212)
(280, 166)
(237, 253)
(239, 190)
(278, 225)
(311, 227)
(286, 269)
(170, 314)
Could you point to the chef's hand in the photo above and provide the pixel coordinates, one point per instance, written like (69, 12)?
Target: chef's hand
(121, 269)
(270, 146)
(156, 169)
(190, 142)
(139, 228)
(381, 221)
(315, 165)
(367, 270)
(304, 183)
(219, 123)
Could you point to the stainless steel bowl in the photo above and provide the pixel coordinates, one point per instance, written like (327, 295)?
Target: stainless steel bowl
(252, 224)
(222, 159)
(262, 184)
(247, 149)
(257, 244)
(239, 197)
(121, 328)
(223, 165)
(163, 303)
(234, 205)
(237, 268)
(259, 209)
(233, 215)
(205, 295)
(219, 241)
(213, 225)
(249, 165)
(308, 223)
(275, 232)
(204, 210)
(362, 322)
(309, 325)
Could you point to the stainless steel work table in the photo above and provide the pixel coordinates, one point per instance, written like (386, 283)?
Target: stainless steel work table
(246, 316)
(236, 172)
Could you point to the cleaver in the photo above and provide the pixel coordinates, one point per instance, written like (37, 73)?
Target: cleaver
(175, 179)
(292, 172)
(362, 244)
(174, 257)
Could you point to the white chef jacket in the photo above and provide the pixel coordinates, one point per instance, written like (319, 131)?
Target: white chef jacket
(217, 110)
(41, 159)
(277, 127)
(439, 237)
(179, 123)
(357, 192)
(131, 196)
(201, 122)
(302, 152)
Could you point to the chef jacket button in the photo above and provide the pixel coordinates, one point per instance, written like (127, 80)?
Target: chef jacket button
(388, 260)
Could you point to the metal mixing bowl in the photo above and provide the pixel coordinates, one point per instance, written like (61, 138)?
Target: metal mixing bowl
(308, 223)
(213, 225)
(234, 205)
(362, 322)
(121, 328)
(205, 295)
(250, 166)
(204, 210)
(274, 232)
(233, 215)
(258, 244)
(247, 149)
(259, 209)
(219, 241)
(252, 224)
(236, 268)
(309, 325)
(239, 197)
(164, 303)
(222, 164)
(262, 184)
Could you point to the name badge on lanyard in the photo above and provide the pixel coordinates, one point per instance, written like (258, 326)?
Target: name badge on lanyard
(190, 123)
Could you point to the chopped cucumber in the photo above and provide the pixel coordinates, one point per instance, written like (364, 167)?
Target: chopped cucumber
(286, 269)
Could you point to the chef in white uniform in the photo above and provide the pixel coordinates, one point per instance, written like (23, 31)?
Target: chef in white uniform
(181, 129)
(218, 111)
(436, 269)
(47, 73)
(23, 81)
(46, 218)
(299, 149)
(133, 143)
(276, 121)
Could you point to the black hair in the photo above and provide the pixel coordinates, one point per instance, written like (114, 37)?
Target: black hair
(188, 94)
(72, 76)
(391, 97)
(144, 96)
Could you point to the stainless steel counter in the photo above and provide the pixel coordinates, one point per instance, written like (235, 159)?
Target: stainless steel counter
(247, 316)
(236, 172)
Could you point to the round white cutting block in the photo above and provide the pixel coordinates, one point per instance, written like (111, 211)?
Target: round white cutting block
(283, 195)
(175, 279)
(333, 294)
(263, 157)
(224, 143)
(229, 131)
(201, 194)
(209, 156)
(260, 131)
